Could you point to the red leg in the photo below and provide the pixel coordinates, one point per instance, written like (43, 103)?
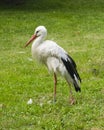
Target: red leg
(71, 98)
(55, 83)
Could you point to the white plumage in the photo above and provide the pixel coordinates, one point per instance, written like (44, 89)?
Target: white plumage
(55, 58)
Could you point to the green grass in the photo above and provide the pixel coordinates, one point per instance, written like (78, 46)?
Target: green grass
(78, 26)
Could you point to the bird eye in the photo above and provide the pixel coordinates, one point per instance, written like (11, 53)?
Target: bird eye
(37, 32)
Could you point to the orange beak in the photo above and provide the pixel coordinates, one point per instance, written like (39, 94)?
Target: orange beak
(31, 39)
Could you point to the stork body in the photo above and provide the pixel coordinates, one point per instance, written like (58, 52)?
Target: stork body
(55, 58)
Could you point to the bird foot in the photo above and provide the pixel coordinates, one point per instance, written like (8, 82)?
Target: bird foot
(72, 101)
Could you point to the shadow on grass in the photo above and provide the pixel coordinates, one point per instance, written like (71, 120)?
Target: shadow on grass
(37, 5)
(48, 5)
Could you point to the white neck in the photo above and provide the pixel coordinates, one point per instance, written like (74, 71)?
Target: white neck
(37, 42)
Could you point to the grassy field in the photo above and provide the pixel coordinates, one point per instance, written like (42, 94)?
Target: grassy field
(78, 26)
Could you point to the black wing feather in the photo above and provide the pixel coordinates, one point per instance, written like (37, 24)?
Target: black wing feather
(71, 68)
(72, 61)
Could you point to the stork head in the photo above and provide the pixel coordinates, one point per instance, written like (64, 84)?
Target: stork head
(40, 31)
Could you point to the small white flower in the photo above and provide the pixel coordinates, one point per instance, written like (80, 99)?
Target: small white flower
(30, 101)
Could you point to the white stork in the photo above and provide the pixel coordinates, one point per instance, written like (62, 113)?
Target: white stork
(56, 59)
